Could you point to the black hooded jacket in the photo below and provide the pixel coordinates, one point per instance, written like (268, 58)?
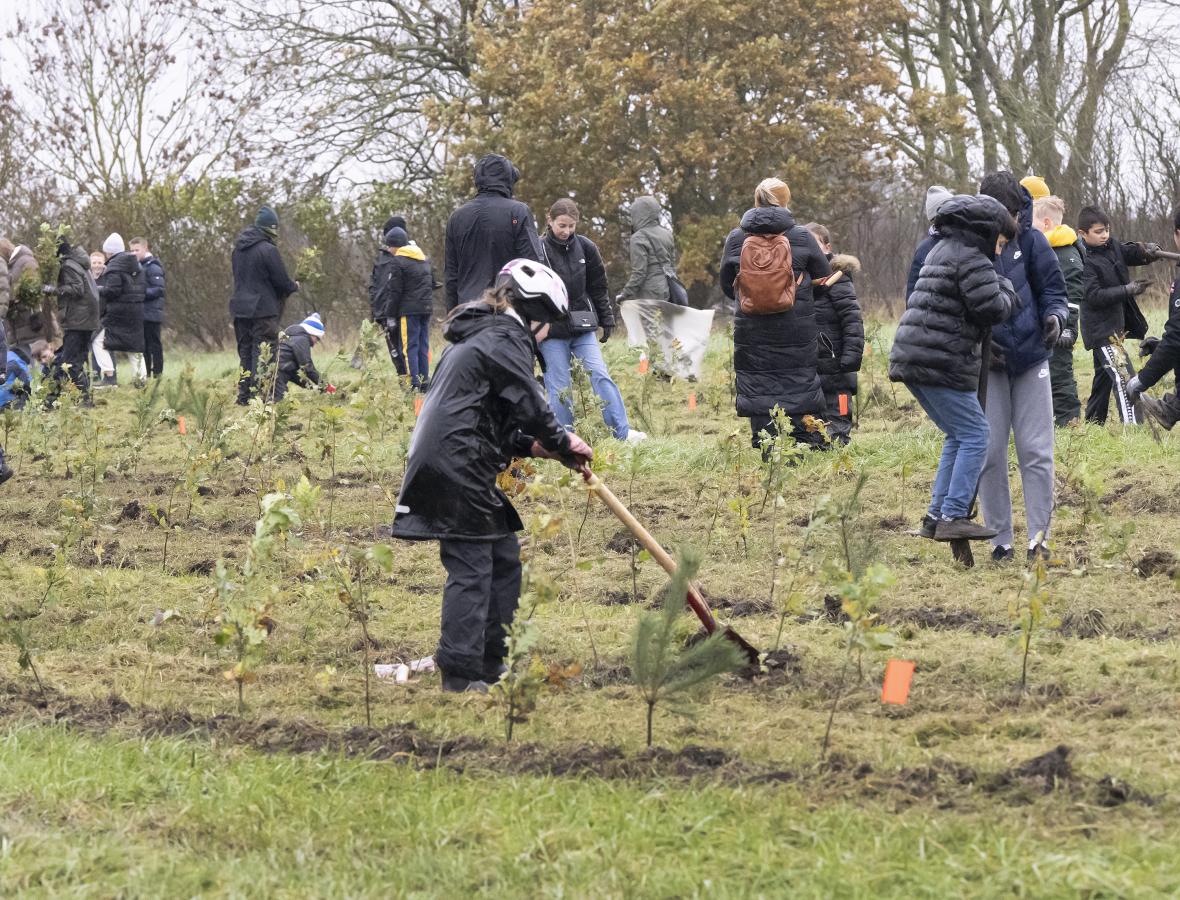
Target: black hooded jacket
(957, 298)
(841, 328)
(1166, 357)
(579, 265)
(1107, 308)
(402, 284)
(295, 355)
(261, 282)
(121, 289)
(484, 407)
(487, 232)
(77, 292)
(774, 357)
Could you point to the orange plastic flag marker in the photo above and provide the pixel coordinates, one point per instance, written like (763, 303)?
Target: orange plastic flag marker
(643, 364)
(418, 405)
(180, 425)
(692, 401)
(898, 675)
(843, 404)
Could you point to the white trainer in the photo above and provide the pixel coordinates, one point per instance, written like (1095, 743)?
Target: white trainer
(635, 437)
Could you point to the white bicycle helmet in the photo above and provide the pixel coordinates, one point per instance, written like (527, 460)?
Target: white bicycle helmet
(539, 293)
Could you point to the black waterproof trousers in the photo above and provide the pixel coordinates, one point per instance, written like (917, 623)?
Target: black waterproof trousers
(251, 334)
(1066, 405)
(479, 603)
(153, 349)
(1109, 378)
(72, 359)
(393, 340)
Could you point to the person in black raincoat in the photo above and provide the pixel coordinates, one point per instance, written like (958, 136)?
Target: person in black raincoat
(261, 289)
(121, 291)
(774, 357)
(484, 408)
(486, 232)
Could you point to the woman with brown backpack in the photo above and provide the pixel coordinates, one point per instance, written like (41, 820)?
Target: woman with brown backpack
(768, 266)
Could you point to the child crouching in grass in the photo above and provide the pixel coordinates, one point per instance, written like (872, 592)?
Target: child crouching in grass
(937, 351)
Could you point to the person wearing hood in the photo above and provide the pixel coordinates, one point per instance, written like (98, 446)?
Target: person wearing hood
(295, 365)
(77, 303)
(261, 289)
(29, 322)
(1048, 216)
(484, 408)
(937, 351)
(1019, 393)
(841, 335)
(775, 359)
(487, 232)
(403, 301)
(576, 259)
(121, 290)
(653, 254)
(936, 195)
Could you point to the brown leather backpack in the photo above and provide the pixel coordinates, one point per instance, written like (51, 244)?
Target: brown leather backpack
(765, 283)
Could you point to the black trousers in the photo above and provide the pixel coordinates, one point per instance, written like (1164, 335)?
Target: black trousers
(799, 433)
(839, 414)
(284, 378)
(479, 603)
(397, 353)
(1066, 406)
(1109, 378)
(70, 362)
(153, 349)
(251, 334)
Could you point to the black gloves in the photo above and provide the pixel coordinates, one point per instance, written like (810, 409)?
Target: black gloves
(1151, 251)
(606, 330)
(1137, 287)
(1052, 331)
(1134, 389)
(1147, 346)
(1068, 339)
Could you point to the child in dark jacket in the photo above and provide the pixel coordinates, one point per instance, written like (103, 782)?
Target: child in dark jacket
(484, 408)
(1165, 356)
(1109, 311)
(295, 365)
(841, 336)
(937, 351)
(403, 302)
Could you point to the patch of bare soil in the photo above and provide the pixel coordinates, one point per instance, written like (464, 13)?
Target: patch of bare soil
(620, 542)
(893, 523)
(942, 781)
(1157, 562)
(938, 618)
(616, 598)
(739, 608)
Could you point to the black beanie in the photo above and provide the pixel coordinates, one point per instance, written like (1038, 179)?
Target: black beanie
(393, 222)
(267, 219)
(396, 237)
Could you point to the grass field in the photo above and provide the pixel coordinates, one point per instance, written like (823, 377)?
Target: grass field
(126, 768)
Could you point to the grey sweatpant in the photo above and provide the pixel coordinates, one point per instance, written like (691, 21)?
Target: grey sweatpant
(1022, 406)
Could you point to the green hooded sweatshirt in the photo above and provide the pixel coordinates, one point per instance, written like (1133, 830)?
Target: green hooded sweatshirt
(652, 253)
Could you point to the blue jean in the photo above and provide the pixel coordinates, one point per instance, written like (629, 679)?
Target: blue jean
(960, 417)
(418, 348)
(558, 353)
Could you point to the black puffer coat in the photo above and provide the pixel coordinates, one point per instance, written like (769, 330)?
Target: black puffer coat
(841, 328)
(153, 298)
(774, 357)
(1107, 308)
(485, 233)
(121, 289)
(579, 264)
(958, 296)
(484, 407)
(402, 284)
(295, 355)
(77, 294)
(261, 282)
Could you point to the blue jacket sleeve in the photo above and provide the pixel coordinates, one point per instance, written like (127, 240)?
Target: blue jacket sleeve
(916, 264)
(1045, 278)
(154, 275)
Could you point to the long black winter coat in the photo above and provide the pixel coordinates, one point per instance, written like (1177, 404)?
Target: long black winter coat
(841, 329)
(153, 298)
(484, 407)
(261, 282)
(77, 295)
(487, 232)
(402, 284)
(959, 295)
(775, 357)
(295, 355)
(1166, 357)
(1107, 308)
(121, 288)
(579, 264)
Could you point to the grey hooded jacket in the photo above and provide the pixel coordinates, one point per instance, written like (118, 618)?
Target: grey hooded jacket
(652, 253)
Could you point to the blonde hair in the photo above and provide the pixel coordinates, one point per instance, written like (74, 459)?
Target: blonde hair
(6, 246)
(820, 231)
(498, 298)
(772, 192)
(1051, 208)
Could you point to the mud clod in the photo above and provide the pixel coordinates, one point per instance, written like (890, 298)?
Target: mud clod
(131, 512)
(620, 542)
(1054, 768)
(1157, 562)
(1087, 625)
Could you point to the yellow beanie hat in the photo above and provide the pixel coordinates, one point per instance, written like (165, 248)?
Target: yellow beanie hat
(1036, 186)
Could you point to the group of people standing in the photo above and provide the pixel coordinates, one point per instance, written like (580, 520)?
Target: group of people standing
(998, 292)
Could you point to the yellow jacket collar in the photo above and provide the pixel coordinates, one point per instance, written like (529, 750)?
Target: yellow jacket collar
(410, 250)
(1062, 236)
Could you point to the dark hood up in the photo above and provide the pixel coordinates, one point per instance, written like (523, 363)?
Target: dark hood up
(977, 221)
(767, 220)
(495, 174)
(251, 236)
